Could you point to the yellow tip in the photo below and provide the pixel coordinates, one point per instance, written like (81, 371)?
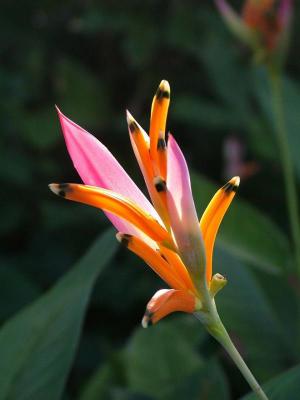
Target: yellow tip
(54, 187)
(119, 237)
(145, 322)
(235, 181)
(132, 124)
(232, 185)
(123, 238)
(129, 117)
(162, 93)
(164, 86)
(61, 189)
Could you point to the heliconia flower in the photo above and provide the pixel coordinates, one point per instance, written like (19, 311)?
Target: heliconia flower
(263, 24)
(267, 19)
(166, 232)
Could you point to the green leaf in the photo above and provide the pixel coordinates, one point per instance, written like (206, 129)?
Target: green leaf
(228, 80)
(98, 387)
(191, 109)
(16, 289)
(246, 232)
(39, 343)
(106, 380)
(290, 99)
(163, 362)
(286, 386)
(208, 382)
(158, 357)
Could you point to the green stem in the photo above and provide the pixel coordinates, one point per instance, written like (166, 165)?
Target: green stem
(227, 343)
(215, 327)
(286, 161)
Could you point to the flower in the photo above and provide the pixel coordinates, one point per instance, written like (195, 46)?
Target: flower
(262, 17)
(263, 24)
(166, 234)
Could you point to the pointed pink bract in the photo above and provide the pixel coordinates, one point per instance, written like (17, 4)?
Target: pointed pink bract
(180, 199)
(285, 12)
(182, 212)
(222, 5)
(98, 167)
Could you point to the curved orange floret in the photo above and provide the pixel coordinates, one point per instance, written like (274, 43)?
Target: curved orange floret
(165, 302)
(115, 204)
(154, 259)
(141, 145)
(212, 218)
(159, 112)
(162, 155)
(177, 265)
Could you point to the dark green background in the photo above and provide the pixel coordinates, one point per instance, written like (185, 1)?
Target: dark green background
(94, 60)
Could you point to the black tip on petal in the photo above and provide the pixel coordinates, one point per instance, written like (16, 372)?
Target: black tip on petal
(160, 184)
(147, 319)
(229, 187)
(162, 94)
(161, 144)
(123, 238)
(133, 127)
(61, 189)
(232, 185)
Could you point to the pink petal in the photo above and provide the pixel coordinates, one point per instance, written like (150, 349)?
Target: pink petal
(285, 12)
(97, 167)
(183, 215)
(223, 6)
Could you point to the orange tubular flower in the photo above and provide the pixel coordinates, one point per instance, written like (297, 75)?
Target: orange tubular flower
(166, 234)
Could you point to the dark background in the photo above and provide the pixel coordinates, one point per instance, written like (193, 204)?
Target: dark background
(94, 60)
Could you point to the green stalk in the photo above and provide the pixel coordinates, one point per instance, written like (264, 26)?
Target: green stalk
(286, 161)
(215, 327)
(228, 345)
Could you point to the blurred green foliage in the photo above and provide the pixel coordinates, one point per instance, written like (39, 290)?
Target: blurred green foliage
(94, 59)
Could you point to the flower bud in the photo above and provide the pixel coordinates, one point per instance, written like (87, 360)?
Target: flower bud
(263, 25)
(217, 283)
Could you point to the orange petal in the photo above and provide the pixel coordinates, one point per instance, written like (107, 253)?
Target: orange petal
(162, 155)
(175, 261)
(115, 204)
(212, 218)
(159, 112)
(140, 144)
(153, 258)
(165, 302)
(161, 192)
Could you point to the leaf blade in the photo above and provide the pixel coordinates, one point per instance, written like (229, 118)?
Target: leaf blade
(285, 386)
(38, 344)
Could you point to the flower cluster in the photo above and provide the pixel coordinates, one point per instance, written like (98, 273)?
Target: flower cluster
(165, 232)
